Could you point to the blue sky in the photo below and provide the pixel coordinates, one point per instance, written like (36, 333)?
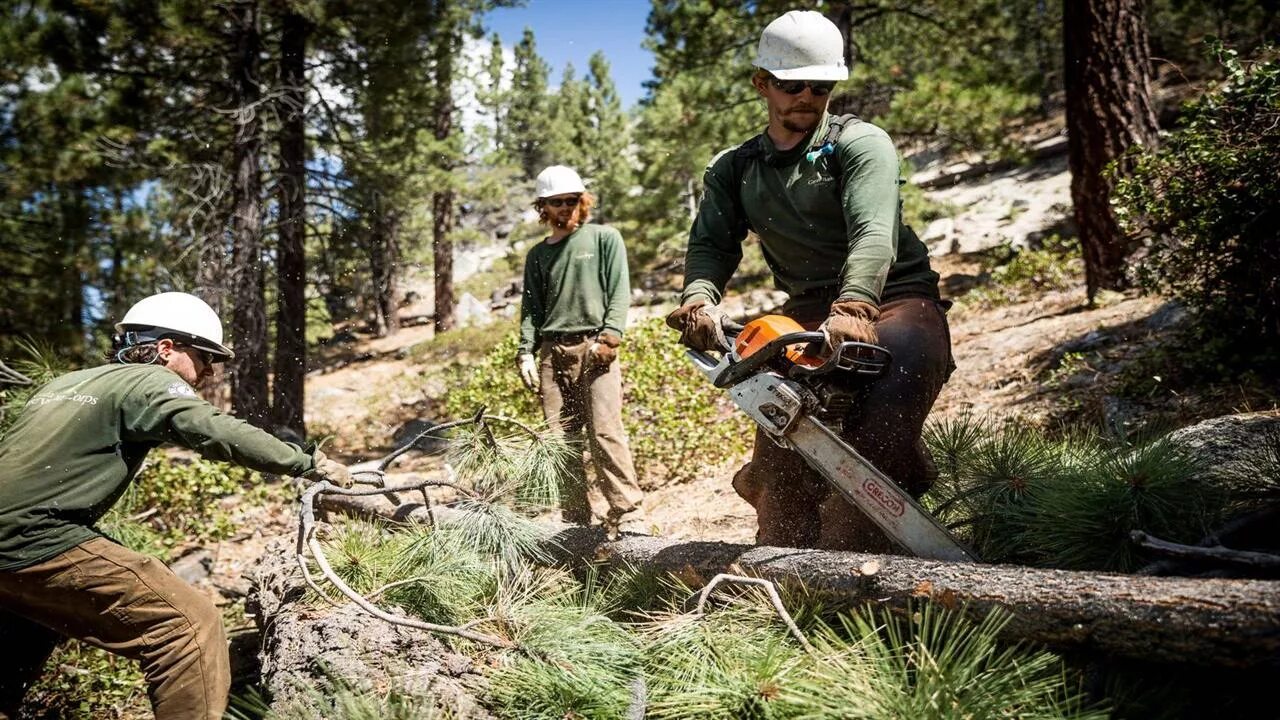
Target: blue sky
(569, 31)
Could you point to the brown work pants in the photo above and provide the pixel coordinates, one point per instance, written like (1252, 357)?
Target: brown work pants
(795, 506)
(584, 399)
(127, 603)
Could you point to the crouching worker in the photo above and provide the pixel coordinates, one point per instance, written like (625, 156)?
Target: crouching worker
(68, 458)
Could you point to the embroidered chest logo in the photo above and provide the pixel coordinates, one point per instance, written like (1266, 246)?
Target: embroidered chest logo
(584, 256)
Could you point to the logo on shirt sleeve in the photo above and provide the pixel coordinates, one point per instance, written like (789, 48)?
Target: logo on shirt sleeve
(181, 389)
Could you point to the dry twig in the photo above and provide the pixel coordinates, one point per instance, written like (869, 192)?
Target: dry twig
(773, 598)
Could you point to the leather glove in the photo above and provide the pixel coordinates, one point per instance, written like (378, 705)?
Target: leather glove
(332, 470)
(528, 371)
(851, 321)
(604, 350)
(701, 326)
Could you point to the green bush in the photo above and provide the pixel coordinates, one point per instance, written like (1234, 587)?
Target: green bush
(677, 422)
(171, 504)
(1205, 203)
(1013, 275)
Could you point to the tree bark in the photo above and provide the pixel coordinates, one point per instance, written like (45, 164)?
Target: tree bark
(249, 397)
(442, 199)
(304, 647)
(1107, 69)
(442, 251)
(291, 273)
(1210, 622)
(384, 264)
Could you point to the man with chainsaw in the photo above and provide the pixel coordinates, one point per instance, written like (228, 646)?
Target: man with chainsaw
(821, 192)
(573, 312)
(70, 455)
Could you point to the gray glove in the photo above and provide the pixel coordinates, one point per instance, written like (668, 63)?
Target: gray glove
(331, 470)
(529, 372)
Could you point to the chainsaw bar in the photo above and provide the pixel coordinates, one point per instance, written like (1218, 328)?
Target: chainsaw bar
(782, 409)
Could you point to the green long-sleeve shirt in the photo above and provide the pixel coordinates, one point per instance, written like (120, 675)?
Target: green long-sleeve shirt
(575, 285)
(81, 439)
(827, 233)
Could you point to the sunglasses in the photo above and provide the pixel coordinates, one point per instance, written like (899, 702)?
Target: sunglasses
(204, 356)
(795, 87)
(562, 202)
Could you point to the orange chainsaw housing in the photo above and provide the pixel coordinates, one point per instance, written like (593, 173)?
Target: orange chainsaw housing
(767, 328)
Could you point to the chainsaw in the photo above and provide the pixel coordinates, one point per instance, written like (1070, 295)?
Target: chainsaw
(774, 372)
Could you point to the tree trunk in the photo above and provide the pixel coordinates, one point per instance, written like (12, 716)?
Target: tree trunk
(305, 645)
(1211, 622)
(211, 278)
(291, 272)
(1107, 78)
(74, 220)
(249, 396)
(384, 261)
(442, 250)
(442, 199)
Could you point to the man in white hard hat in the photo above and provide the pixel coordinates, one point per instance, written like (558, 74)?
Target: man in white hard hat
(821, 192)
(573, 312)
(69, 457)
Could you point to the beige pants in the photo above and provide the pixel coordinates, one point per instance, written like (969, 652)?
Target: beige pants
(584, 399)
(796, 506)
(127, 603)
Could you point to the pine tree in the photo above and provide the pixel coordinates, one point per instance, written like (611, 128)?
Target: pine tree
(527, 120)
(606, 139)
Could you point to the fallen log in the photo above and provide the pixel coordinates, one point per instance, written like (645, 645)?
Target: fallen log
(1209, 622)
(304, 645)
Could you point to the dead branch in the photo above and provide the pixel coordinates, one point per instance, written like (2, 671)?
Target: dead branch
(773, 598)
(307, 539)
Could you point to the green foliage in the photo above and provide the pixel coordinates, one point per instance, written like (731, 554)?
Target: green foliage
(673, 416)
(37, 363)
(1011, 275)
(963, 112)
(491, 382)
(1151, 487)
(172, 503)
(578, 662)
(931, 664)
(1205, 203)
(84, 683)
(444, 579)
(1017, 495)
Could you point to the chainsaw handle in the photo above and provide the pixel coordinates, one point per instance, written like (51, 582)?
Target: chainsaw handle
(858, 358)
(862, 359)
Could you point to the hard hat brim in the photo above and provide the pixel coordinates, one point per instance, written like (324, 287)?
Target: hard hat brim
(812, 72)
(220, 352)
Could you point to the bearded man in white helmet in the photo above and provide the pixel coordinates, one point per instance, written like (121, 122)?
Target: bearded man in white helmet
(69, 457)
(821, 192)
(573, 312)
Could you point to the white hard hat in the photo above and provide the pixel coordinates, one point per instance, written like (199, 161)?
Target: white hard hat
(558, 180)
(179, 316)
(802, 45)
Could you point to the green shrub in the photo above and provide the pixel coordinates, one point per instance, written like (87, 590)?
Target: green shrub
(172, 503)
(678, 423)
(85, 683)
(1013, 275)
(1205, 203)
